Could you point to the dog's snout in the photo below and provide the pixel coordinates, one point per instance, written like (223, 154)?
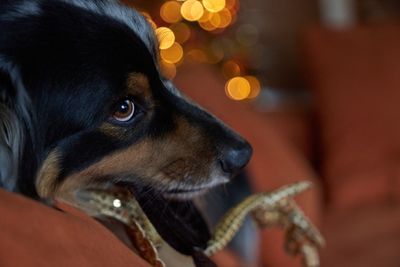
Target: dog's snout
(236, 157)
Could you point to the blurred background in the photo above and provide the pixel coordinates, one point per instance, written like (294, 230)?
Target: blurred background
(315, 87)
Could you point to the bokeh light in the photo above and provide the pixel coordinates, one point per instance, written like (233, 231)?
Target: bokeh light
(206, 16)
(225, 18)
(181, 41)
(182, 32)
(170, 12)
(215, 20)
(255, 86)
(192, 10)
(238, 88)
(173, 54)
(207, 25)
(166, 37)
(168, 69)
(231, 4)
(230, 69)
(214, 5)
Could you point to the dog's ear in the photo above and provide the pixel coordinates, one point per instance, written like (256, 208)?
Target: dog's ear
(13, 111)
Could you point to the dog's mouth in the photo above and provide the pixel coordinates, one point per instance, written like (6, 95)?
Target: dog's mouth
(179, 223)
(173, 214)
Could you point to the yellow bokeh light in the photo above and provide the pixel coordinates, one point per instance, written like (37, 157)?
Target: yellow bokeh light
(173, 54)
(237, 88)
(170, 12)
(255, 86)
(230, 69)
(192, 10)
(182, 32)
(214, 5)
(166, 37)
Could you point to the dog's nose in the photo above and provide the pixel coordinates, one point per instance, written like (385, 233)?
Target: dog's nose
(236, 157)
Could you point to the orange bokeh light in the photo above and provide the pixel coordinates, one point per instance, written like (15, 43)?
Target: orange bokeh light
(168, 69)
(173, 54)
(255, 86)
(230, 69)
(170, 12)
(225, 18)
(237, 88)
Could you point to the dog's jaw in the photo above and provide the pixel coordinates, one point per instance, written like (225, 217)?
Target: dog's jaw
(189, 192)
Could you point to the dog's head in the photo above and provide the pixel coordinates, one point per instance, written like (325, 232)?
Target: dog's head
(83, 105)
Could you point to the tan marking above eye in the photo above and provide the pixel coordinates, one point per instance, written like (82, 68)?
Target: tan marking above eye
(138, 85)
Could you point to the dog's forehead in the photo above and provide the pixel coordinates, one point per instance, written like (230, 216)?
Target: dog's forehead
(134, 20)
(125, 15)
(109, 8)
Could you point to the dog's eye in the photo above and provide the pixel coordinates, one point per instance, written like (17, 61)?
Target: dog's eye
(125, 111)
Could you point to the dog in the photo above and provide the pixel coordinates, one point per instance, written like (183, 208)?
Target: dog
(83, 105)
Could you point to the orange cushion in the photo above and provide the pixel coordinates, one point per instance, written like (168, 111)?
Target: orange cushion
(356, 78)
(35, 235)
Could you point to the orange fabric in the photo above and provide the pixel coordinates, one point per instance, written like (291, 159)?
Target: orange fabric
(356, 77)
(275, 162)
(295, 125)
(35, 235)
(227, 259)
(365, 237)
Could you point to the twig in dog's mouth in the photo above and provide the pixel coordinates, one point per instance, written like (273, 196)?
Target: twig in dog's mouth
(181, 226)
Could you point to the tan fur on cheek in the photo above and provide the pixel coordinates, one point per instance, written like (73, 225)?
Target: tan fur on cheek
(47, 175)
(183, 156)
(133, 160)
